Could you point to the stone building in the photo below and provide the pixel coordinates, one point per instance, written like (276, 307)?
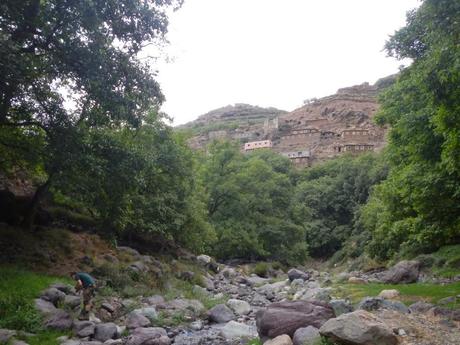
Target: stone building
(254, 145)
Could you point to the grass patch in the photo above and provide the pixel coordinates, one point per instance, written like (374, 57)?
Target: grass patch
(44, 338)
(18, 289)
(447, 261)
(410, 293)
(256, 341)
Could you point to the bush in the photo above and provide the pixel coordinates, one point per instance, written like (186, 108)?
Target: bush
(261, 269)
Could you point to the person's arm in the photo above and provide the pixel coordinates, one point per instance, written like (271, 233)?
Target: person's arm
(79, 285)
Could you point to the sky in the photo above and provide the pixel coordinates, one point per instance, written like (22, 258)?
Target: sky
(273, 53)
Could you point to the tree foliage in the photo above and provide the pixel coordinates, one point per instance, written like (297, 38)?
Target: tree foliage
(418, 207)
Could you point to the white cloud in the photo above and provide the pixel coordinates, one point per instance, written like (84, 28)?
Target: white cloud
(274, 53)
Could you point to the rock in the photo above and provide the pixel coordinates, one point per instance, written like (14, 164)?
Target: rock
(272, 289)
(186, 275)
(5, 335)
(154, 300)
(72, 302)
(191, 304)
(447, 300)
(358, 328)
(239, 307)
(294, 273)
(342, 277)
(286, 317)
(420, 307)
(280, 340)
(238, 330)
(62, 339)
(403, 272)
(139, 267)
(149, 336)
(203, 259)
(196, 325)
(306, 336)
(18, 342)
(71, 342)
(44, 307)
(53, 295)
(83, 328)
(229, 273)
(255, 280)
(105, 331)
(107, 306)
(318, 294)
(129, 251)
(136, 320)
(297, 283)
(110, 258)
(357, 280)
(149, 312)
(198, 290)
(389, 294)
(220, 314)
(208, 283)
(65, 288)
(340, 306)
(259, 300)
(375, 303)
(59, 320)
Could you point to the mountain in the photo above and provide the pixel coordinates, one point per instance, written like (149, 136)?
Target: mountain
(321, 129)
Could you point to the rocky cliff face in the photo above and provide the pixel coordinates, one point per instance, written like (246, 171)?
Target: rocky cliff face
(321, 129)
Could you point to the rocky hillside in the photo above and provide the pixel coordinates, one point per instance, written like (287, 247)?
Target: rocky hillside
(321, 129)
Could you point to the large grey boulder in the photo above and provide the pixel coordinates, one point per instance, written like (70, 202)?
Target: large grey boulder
(358, 328)
(6, 335)
(53, 295)
(83, 328)
(403, 272)
(306, 336)
(294, 274)
(149, 312)
(149, 336)
(236, 330)
(59, 320)
(72, 302)
(44, 307)
(286, 317)
(66, 288)
(136, 320)
(221, 314)
(187, 304)
(154, 300)
(420, 307)
(204, 259)
(239, 307)
(105, 331)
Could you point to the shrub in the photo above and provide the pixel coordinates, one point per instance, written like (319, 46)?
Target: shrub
(261, 269)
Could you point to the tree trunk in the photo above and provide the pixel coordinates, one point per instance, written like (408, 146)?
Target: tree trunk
(31, 209)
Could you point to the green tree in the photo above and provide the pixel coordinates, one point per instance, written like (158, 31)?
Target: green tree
(418, 207)
(71, 66)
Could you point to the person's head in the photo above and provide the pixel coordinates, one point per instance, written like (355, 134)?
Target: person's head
(73, 274)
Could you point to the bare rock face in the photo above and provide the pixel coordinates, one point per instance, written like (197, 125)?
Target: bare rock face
(286, 317)
(404, 272)
(59, 320)
(358, 328)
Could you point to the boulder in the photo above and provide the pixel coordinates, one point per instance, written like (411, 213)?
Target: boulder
(59, 320)
(286, 317)
(53, 295)
(44, 307)
(236, 330)
(149, 336)
(107, 306)
(239, 307)
(204, 259)
(66, 288)
(294, 274)
(306, 336)
(129, 251)
(420, 307)
(18, 342)
(83, 328)
(221, 314)
(149, 312)
(72, 302)
(403, 272)
(389, 294)
(139, 267)
(375, 303)
(105, 331)
(6, 335)
(190, 304)
(357, 280)
(255, 280)
(340, 306)
(136, 319)
(197, 325)
(154, 300)
(317, 294)
(358, 328)
(280, 340)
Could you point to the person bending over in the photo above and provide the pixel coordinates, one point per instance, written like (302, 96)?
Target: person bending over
(86, 284)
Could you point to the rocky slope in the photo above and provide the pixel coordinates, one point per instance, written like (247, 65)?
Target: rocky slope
(321, 129)
(294, 308)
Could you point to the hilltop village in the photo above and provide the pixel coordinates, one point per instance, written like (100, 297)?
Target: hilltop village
(321, 129)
